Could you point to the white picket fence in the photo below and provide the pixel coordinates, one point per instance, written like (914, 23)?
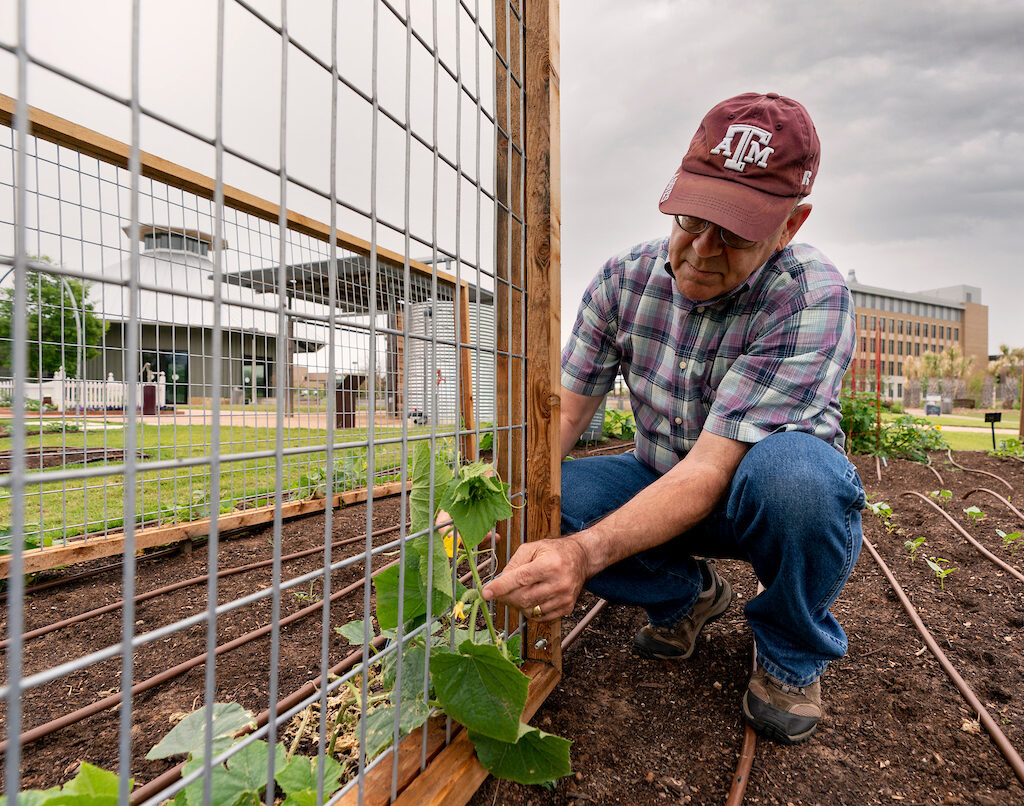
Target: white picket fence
(70, 394)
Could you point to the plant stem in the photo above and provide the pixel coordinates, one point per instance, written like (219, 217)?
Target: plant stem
(471, 554)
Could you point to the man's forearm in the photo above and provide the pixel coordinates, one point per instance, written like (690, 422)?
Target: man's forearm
(673, 504)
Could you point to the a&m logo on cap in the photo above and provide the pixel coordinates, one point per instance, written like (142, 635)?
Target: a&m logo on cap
(752, 146)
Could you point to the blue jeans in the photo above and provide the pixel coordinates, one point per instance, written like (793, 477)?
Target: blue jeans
(792, 511)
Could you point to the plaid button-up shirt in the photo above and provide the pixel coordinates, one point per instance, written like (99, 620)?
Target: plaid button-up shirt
(767, 356)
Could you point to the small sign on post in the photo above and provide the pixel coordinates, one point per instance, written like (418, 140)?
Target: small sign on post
(993, 417)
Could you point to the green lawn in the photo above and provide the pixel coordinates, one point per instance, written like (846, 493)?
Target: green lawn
(66, 508)
(1011, 419)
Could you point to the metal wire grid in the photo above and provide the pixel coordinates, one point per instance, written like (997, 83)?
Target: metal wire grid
(280, 281)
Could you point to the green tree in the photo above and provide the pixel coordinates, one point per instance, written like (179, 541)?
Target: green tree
(1007, 370)
(51, 304)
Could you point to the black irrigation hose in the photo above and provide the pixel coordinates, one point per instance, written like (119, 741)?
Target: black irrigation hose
(949, 453)
(984, 551)
(185, 583)
(1007, 749)
(1016, 511)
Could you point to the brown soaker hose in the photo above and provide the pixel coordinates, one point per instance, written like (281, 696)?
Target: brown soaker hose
(742, 775)
(949, 453)
(576, 631)
(168, 777)
(984, 551)
(1012, 756)
(114, 700)
(240, 569)
(928, 464)
(1014, 509)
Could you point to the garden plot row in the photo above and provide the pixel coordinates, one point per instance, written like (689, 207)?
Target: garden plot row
(241, 674)
(895, 728)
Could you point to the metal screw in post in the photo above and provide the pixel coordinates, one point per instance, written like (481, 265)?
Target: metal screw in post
(542, 643)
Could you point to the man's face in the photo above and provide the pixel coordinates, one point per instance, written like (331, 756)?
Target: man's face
(704, 267)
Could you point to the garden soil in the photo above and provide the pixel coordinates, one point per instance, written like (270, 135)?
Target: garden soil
(895, 728)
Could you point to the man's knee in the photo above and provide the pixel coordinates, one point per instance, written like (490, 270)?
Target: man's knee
(792, 473)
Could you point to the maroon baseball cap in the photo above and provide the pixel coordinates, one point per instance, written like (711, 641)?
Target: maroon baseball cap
(752, 157)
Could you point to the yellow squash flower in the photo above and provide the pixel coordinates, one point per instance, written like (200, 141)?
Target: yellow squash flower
(450, 543)
(459, 611)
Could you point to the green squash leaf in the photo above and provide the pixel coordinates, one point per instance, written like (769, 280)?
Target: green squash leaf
(380, 724)
(353, 632)
(534, 758)
(481, 689)
(298, 778)
(419, 497)
(188, 736)
(386, 586)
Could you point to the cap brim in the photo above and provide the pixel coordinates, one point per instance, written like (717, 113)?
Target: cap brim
(749, 213)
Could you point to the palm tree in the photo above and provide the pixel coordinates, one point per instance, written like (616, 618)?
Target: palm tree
(1007, 369)
(955, 367)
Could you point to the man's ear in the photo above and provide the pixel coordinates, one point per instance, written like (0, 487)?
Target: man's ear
(793, 223)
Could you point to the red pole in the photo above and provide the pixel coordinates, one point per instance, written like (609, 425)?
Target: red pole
(878, 389)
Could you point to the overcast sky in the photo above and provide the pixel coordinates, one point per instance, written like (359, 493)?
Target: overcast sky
(919, 106)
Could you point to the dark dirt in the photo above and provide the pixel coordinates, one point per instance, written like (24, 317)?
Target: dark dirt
(649, 731)
(59, 457)
(643, 731)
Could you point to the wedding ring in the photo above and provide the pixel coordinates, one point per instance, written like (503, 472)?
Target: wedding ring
(536, 611)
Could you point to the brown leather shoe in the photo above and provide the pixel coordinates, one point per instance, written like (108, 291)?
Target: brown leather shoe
(787, 714)
(678, 641)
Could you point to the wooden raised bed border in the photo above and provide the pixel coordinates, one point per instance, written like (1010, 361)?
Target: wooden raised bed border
(83, 551)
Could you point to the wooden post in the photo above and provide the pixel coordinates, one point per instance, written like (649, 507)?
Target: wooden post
(543, 284)
(468, 441)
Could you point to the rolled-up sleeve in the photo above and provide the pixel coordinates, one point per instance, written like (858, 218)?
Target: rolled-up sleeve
(590, 358)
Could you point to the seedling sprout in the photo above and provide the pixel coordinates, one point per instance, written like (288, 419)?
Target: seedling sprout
(1010, 540)
(940, 572)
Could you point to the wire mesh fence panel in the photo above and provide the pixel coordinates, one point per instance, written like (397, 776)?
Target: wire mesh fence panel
(263, 306)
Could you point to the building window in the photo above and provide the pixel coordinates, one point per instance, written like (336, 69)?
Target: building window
(872, 323)
(892, 326)
(917, 328)
(899, 368)
(956, 334)
(970, 296)
(901, 327)
(864, 321)
(872, 367)
(942, 331)
(908, 348)
(863, 344)
(881, 323)
(892, 347)
(890, 371)
(900, 345)
(175, 240)
(899, 390)
(917, 348)
(933, 331)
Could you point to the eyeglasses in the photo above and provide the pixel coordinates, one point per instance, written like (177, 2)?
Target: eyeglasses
(695, 226)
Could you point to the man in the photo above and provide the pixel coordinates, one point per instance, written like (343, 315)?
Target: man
(733, 344)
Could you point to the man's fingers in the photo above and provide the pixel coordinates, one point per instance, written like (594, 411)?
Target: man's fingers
(512, 579)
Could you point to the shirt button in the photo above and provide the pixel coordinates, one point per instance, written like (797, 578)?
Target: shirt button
(682, 365)
(700, 309)
(679, 420)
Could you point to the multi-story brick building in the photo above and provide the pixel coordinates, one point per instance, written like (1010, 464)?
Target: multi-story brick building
(892, 325)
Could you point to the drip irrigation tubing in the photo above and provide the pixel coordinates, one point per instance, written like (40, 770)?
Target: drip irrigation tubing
(1014, 509)
(1007, 749)
(185, 583)
(984, 551)
(114, 700)
(741, 777)
(949, 454)
(576, 631)
(928, 464)
(168, 777)
(622, 448)
(64, 580)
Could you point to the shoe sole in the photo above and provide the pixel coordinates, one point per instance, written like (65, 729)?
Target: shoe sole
(773, 730)
(651, 654)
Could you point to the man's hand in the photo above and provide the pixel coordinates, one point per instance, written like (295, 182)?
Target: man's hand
(548, 574)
